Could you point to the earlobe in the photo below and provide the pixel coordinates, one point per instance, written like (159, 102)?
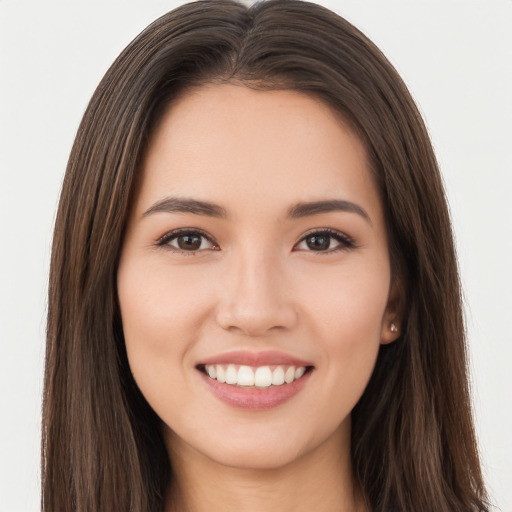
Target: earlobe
(390, 332)
(391, 321)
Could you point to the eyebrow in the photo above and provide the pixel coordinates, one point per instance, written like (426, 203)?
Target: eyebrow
(300, 210)
(331, 205)
(184, 205)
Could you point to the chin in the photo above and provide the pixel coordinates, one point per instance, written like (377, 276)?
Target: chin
(263, 446)
(257, 457)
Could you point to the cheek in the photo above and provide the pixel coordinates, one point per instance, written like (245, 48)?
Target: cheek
(350, 301)
(347, 313)
(160, 316)
(158, 303)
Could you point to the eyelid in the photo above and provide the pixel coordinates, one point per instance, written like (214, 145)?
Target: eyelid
(345, 242)
(164, 240)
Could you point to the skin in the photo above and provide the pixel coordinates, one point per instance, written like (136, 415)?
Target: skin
(256, 284)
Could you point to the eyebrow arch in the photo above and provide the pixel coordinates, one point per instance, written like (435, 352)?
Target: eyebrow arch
(184, 205)
(331, 205)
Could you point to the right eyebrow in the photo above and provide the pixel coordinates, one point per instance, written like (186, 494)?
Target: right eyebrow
(184, 205)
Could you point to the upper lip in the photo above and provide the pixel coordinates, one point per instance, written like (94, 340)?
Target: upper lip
(250, 358)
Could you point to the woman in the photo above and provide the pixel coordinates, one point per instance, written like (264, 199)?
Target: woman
(254, 300)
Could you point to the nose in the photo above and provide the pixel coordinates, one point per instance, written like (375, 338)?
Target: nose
(256, 298)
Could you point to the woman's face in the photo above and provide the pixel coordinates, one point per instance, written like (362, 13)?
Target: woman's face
(256, 253)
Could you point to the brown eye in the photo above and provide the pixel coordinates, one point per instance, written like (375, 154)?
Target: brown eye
(325, 241)
(187, 241)
(320, 242)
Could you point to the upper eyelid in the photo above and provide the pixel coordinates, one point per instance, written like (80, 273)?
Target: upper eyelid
(180, 231)
(312, 231)
(164, 239)
(329, 231)
(345, 241)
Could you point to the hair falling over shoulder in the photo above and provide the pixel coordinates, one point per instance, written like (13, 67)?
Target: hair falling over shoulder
(413, 440)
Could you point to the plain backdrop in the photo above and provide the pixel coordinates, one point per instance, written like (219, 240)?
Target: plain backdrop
(456, 58)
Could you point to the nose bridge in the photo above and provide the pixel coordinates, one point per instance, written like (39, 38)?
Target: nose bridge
(255, 299)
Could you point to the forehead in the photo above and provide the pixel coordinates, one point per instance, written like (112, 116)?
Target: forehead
(232, 143)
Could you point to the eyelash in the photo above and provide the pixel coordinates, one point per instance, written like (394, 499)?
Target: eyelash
(345, 242)
(169, 237)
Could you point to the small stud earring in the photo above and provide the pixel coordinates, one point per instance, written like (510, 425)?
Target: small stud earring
(394, 328)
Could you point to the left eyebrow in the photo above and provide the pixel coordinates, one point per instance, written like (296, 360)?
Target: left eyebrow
(317, 207)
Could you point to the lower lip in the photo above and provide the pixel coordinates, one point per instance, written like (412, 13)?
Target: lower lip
(252, 398)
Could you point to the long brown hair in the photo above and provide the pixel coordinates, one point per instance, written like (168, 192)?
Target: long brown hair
(413, 443)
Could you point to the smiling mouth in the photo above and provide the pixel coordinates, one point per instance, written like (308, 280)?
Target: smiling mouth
(254, 377)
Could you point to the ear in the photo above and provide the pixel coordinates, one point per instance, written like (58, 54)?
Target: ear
(392, 318)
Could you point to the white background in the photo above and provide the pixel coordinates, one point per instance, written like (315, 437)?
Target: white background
(456, 57)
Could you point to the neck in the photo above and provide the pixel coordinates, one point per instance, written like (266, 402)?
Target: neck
(321, 480)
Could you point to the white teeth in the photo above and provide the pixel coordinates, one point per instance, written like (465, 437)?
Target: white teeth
(299, 372)
(261, 377)
(231, 375)
(278, 376)
(245, 376)
(212, 371)
(289, 376)
(221, 374)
